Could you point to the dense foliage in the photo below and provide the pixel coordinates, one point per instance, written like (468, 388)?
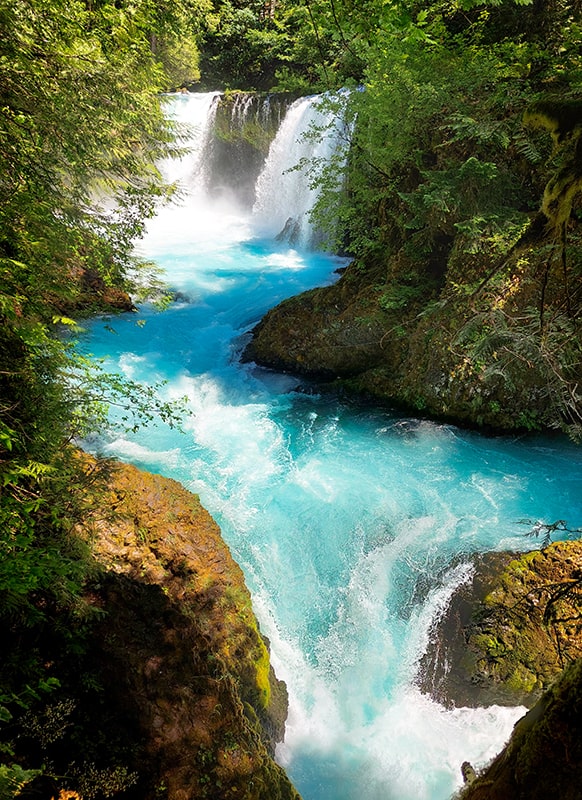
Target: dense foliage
(80, 120)
(464, 174)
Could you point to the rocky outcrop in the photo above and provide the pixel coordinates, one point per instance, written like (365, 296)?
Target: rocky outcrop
(509, 633)
(543, 759)
(94, 292)
(398, 334)
(184, 666)
(376, 338)
(513, 636)
(90, 294)
(328, 333)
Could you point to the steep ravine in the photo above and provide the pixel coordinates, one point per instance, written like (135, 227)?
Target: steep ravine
(188, 670)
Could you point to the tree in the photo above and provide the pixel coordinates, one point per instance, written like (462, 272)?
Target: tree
(81, 126)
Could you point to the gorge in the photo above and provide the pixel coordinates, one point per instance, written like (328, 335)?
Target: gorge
(353, 524)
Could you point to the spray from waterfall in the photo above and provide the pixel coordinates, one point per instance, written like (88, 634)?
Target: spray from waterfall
(309, 137)
(253, 158)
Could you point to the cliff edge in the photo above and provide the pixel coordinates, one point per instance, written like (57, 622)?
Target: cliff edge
(181, 647)
(160, 685)
(508, 633)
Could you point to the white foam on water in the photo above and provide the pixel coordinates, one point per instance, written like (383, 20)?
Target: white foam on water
(134, 452)
(347, 723)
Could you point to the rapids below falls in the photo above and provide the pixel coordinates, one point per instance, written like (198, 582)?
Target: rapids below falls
(353, 524)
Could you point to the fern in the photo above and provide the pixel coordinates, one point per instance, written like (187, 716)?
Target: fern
(510, 352)
(527, 148)
(480, 131)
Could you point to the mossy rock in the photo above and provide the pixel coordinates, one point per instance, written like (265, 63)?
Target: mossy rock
(181, 649)
(543, 758)
(509, 633)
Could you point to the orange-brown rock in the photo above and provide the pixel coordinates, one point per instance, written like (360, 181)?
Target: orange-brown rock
(182, 656)
(90, 294)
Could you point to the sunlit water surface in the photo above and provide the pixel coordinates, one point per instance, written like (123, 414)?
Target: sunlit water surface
(353, 525)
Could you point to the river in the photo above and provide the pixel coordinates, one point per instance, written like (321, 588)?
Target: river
(353, 524)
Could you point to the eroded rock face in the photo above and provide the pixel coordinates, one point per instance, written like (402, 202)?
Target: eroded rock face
(543, 759)
(332, 332)
(384, 335)
(184, 662)
(509, 634)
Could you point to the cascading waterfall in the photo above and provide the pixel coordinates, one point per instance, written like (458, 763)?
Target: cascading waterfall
(194, 114)
(350, 524)
(286, 193)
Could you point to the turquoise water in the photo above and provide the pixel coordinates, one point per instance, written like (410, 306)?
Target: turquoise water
(353, 524)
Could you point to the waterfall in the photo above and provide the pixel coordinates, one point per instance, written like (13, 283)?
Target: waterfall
(352, 524)
(194, 115)
(308, 138)
(255, 156)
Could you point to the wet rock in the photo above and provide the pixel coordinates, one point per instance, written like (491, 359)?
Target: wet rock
(509, 633)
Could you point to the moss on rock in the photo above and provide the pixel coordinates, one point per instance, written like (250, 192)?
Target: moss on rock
(180, 650)
(543, 758)
(508, 634)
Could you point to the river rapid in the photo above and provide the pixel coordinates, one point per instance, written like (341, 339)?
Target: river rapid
(353, 524)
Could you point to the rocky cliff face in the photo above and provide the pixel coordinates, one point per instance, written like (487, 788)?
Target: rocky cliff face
(407, 345)
(509, 633)
(244, 126)
(184, 665)
(543, 759)
(514, 636)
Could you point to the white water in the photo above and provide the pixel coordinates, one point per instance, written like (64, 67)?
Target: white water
(351, 524)
(286, 187)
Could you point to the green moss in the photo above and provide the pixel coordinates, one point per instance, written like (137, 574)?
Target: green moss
(490, 645)
(522, 680)
(263, 671)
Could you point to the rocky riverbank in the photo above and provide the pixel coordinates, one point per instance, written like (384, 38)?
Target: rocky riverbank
(417, 346)
(510, 632)
(182, 654)
(513, 636)
(160, 680)
(543, 758)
